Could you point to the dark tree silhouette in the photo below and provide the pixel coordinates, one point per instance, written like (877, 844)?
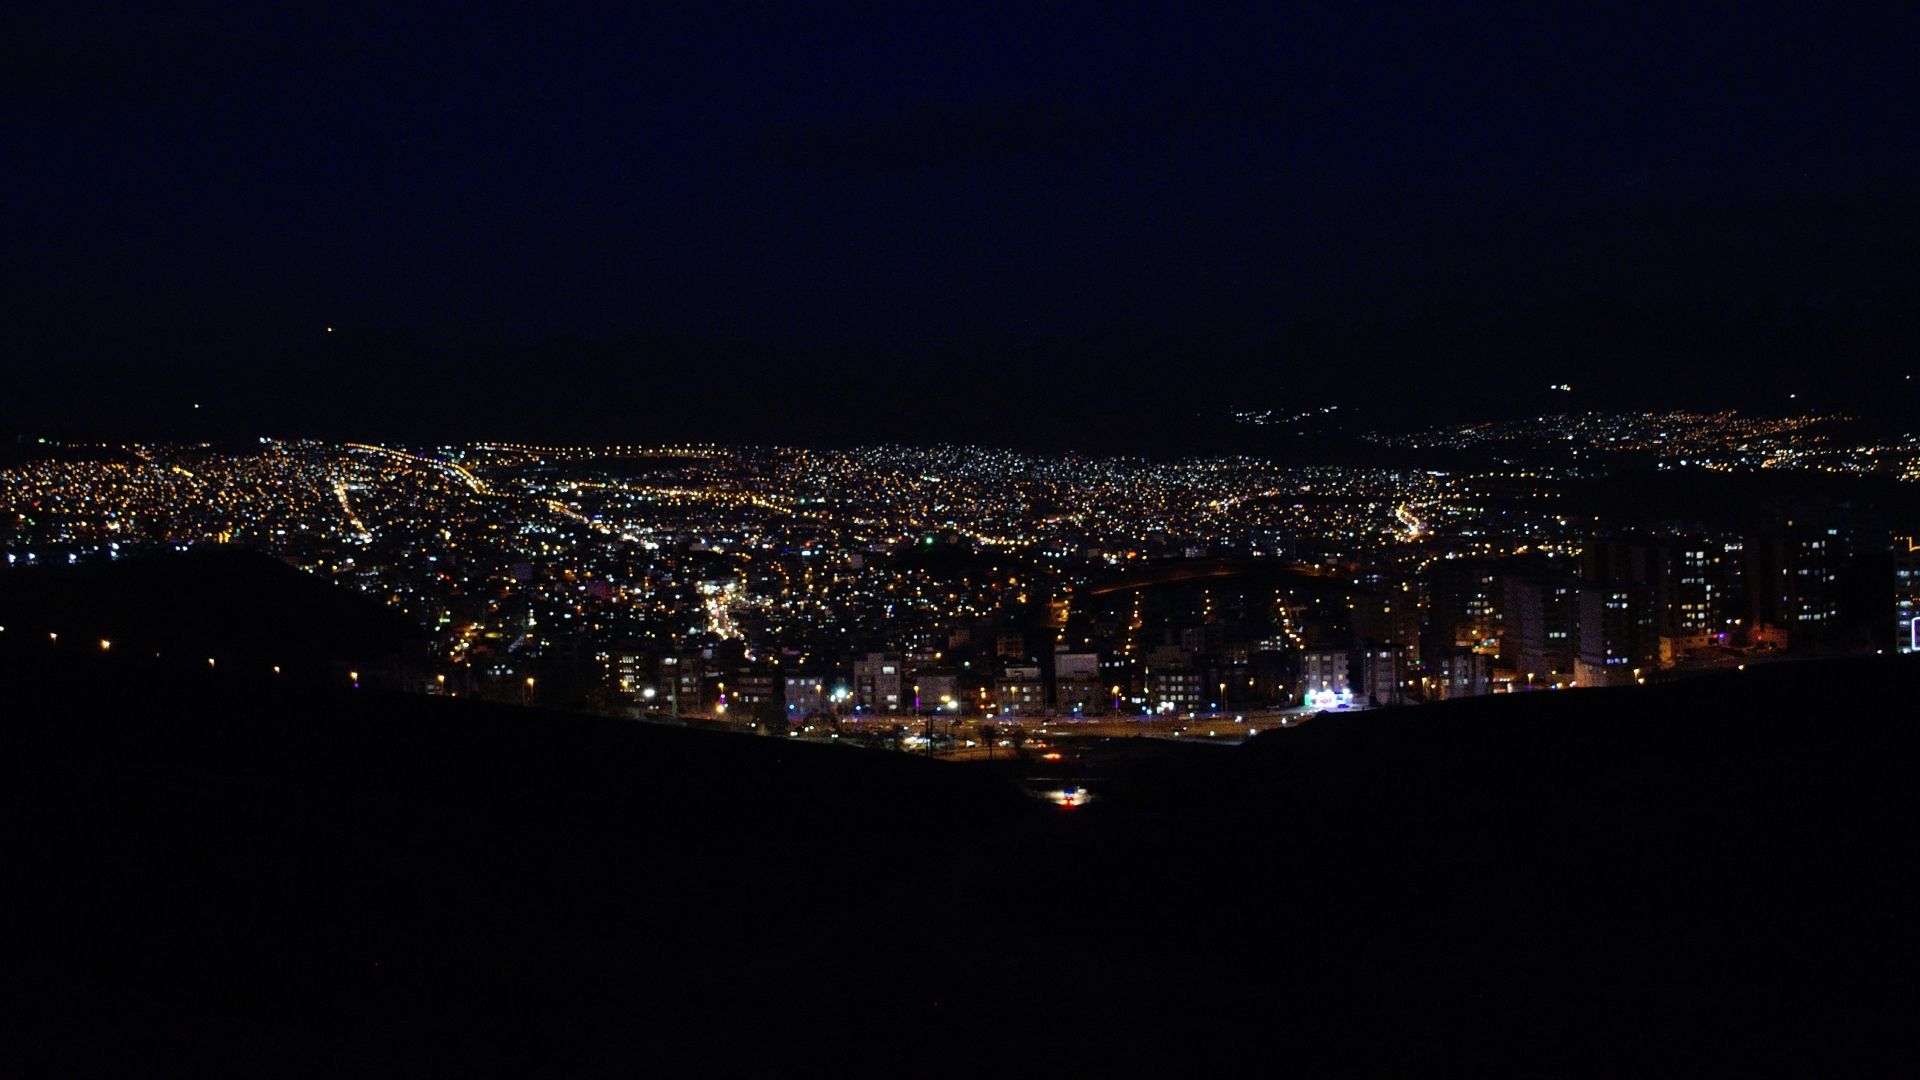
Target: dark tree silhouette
(1018, 736)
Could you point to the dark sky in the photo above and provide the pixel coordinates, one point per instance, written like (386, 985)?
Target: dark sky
(799, 223)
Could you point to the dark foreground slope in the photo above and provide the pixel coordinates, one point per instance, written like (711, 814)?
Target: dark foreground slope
(225, 873)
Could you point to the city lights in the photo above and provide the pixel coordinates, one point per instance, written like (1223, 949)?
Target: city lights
(719, 581)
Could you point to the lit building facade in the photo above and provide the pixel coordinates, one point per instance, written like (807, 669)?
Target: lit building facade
(879, 682)
(1019, 691)
(1326, 676)
(1906, 593)
(1076, 683)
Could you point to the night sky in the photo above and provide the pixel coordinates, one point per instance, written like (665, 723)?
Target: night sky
(1023, 224)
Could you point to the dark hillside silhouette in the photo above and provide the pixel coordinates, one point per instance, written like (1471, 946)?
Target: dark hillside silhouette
(240, 607)
(228, 873)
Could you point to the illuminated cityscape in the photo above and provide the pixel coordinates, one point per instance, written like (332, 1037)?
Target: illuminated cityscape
(1724, 441)
(1068, 539)
(755, 586)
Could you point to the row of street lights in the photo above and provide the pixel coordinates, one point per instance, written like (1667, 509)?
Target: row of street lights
(353, 676)
(106, 645)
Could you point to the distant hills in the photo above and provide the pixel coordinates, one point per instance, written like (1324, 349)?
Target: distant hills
(1841, 343)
